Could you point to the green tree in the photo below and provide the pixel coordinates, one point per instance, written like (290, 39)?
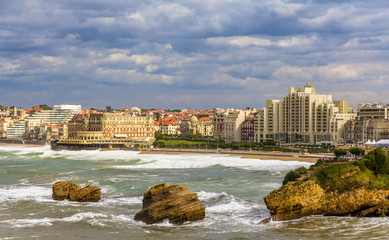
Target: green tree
(291, 176)
(377, 161)
(339, 152)
(356, 151)
(45, 107)
(159, 135)
(108, 108)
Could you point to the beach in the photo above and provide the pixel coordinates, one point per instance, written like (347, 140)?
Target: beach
(311, 158)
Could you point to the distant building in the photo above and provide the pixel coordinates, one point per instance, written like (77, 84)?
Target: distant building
(99, 126)
(373, 111)
(227, 124)
(248, 131)
(304, 117)
(59, 115)
(371, 124)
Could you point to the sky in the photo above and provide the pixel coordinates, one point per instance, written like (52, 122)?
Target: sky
(191, 53)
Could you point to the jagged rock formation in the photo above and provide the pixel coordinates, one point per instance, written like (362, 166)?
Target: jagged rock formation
(175, 202)
(298, 199)
(73, 192)
(357, 189)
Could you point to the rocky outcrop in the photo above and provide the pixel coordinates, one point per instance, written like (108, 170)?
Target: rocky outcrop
(73, 192)
(298, 199)
(175, 203)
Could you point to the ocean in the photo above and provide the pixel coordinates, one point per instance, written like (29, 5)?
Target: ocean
(231, 188)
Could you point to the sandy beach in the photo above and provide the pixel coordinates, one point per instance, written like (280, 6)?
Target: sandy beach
(251, 155)
(244, 154)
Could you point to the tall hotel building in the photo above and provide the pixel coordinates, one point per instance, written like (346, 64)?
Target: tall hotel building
(304, 117)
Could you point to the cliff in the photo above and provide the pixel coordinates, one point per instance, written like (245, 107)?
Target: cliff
(355, 189)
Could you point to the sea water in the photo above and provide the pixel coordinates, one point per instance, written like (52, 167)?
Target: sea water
(231, 188)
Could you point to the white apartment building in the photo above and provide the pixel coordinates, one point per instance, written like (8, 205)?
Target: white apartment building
(304, 117)
(60, 114)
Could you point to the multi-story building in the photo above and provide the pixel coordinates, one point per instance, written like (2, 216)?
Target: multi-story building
(371, 124)
(304, 117)
(373, 111)
(206, 126)
(192, 125)
(248, 131)
(111, 126)
(59, 115)
(170, 128)
(227, 124)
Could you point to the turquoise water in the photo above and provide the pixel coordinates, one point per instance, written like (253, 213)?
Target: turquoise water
(232, 190)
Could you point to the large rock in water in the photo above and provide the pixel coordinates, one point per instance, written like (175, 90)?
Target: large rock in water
(73, 192)
(338, 189)
(175, 203)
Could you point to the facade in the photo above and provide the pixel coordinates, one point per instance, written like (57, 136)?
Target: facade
(373, 111)
(304, 117)
(203, 126)
(59, 115)
(170, 128)
(371, 124)
(228, 124)
(111, 126)
(248, 131)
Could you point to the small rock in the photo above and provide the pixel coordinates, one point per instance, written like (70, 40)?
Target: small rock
(73, 192)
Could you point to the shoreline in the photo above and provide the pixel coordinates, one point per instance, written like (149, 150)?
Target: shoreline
(21, 144)
(311, 158)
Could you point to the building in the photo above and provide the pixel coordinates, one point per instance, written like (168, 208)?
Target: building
(227, 124)
(372, 111)
(304, 116)
(370, 124)
(192, 125)
(59, 115)
(248, 131)
(97, 126)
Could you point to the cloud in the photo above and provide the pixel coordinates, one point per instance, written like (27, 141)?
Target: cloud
(190, 53)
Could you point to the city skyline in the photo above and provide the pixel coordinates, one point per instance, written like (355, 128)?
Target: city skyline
(190, 54)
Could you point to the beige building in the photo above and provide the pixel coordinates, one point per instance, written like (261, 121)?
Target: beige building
(304, 117)
(111, 126)
(170, 128)
(227, 124)
(371, 124)
(373, 111)
(203, 126)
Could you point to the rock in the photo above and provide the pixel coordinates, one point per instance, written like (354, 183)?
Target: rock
(175, 202)
(73, 192)
(341, 190)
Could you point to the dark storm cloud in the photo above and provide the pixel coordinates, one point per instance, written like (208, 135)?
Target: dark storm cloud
(190, 53)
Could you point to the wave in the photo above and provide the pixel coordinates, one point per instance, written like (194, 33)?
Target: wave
(154, 161)
(28, 193)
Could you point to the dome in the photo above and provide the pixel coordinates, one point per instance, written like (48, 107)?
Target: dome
(194, 119)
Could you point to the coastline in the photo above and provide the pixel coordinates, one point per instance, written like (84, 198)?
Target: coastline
(311, 158)
(21, 144)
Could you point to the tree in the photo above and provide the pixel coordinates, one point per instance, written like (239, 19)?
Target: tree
(377, 161)
(45, 107)
(291, 176)
(159, 135)
(356, 151)
(339, 152)
(108, 108)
